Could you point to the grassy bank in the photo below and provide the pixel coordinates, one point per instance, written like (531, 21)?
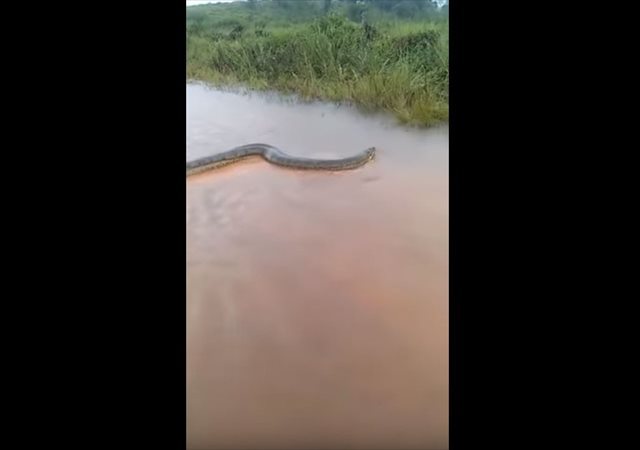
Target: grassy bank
(389, 63)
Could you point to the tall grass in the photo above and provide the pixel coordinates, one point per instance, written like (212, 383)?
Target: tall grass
(397, 66)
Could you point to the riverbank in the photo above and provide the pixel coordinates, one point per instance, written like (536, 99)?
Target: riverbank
(398, 67)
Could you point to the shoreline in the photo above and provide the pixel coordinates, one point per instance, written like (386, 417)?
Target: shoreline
(230, 84)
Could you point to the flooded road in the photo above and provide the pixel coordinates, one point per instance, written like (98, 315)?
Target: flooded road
(317, 303)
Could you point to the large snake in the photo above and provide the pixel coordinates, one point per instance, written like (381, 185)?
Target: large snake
(278, 157)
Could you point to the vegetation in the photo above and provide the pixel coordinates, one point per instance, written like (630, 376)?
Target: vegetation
(378, 54)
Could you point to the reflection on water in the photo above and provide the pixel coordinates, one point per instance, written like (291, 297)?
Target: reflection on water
(317, 303)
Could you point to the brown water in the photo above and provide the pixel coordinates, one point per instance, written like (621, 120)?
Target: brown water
(317, 303)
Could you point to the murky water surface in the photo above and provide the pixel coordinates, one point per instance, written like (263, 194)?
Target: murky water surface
(317, 303)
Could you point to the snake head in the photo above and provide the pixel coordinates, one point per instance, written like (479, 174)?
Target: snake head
(371, 151)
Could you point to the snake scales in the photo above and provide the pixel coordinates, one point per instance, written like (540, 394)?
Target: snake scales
(276, 156)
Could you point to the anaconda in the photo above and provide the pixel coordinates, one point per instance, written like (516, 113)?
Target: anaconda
(276, 156)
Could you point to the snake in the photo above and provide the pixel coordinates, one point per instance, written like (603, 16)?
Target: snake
(276, 156)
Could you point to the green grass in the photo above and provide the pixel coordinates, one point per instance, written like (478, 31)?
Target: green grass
(394, 65)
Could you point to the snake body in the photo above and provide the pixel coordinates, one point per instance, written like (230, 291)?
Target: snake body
(276, 156)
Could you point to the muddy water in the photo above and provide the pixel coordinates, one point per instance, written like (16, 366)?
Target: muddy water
(317, 303)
